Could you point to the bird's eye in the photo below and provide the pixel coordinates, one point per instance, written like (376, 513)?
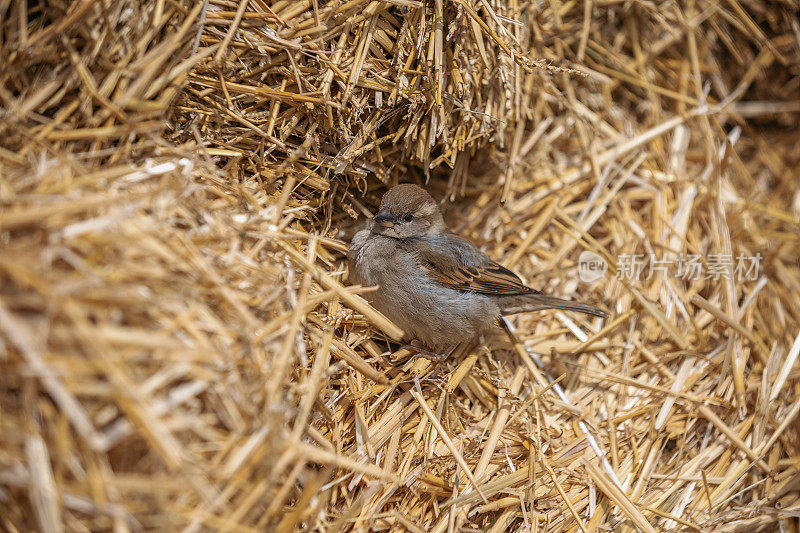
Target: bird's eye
(408, 218)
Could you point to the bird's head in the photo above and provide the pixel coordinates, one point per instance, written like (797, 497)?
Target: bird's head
(407, 211)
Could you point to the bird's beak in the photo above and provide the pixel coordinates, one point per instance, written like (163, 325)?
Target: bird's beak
(384, 219)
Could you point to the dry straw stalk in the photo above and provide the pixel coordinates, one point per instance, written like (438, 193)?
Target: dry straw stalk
(180, 349)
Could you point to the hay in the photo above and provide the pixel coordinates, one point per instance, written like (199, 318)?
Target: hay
(178, 346)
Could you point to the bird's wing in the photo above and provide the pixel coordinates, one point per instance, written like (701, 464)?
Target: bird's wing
(458, 264)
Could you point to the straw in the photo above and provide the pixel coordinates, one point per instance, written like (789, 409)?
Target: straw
(180, 344)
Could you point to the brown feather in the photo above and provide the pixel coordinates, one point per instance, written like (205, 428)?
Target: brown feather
(458, 264)
(511, 305)
(492, 279)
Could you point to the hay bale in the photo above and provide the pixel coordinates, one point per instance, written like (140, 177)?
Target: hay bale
(177, 343)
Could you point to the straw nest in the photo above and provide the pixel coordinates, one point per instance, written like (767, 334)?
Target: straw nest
(178, 345)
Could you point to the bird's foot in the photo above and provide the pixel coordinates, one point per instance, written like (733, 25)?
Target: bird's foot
(430, 356)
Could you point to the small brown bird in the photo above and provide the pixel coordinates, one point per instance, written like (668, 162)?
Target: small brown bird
(440, 288)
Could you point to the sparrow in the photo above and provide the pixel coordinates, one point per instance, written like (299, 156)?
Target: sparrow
(438, 287)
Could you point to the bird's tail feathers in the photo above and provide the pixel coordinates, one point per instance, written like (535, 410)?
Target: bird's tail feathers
(536, 302)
